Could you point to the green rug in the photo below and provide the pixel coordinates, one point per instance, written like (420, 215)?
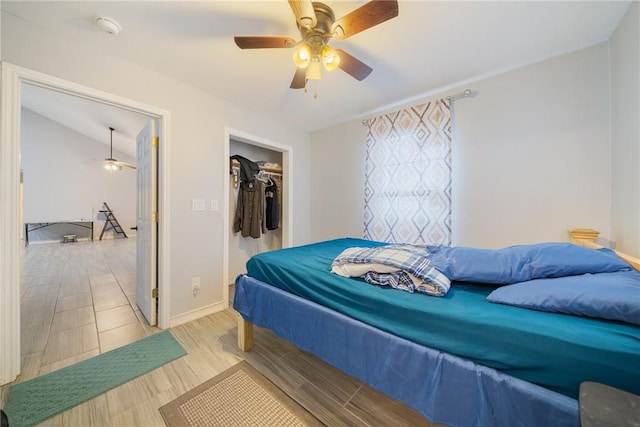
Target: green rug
(36, 400)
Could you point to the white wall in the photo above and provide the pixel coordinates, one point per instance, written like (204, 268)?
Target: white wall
(530, 156)
(531, 153)
(197, 166)
(625, 133)
(337, 174)
(53, 158)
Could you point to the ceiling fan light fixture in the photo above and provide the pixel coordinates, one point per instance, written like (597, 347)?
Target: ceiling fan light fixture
(112, 167)
(302, 55)
(317, 25)
(313, 70)
(330, 58)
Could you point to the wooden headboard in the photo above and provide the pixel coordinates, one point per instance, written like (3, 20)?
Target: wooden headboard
(586, 237)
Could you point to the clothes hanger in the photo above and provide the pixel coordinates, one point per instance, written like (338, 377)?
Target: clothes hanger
(260, 176)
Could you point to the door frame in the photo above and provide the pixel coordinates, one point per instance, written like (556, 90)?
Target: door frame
(12, 77)
(287, 205)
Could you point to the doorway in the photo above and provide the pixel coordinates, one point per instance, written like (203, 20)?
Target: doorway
(13, 78)
(285, 155)
(83, 303)
(242, 248)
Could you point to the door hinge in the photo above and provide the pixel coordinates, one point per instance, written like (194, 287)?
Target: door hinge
(154, 293)
(155, 217)
(155, 141)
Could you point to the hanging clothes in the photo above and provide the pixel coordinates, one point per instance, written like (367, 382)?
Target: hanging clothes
(250, 210)
(272, 206)
(279, 185)
(248, 168)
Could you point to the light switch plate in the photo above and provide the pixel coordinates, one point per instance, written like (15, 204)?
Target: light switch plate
(214, 205)
(197, 204)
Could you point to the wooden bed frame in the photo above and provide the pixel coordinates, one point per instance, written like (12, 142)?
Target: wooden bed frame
(586, 237)
(579, 236)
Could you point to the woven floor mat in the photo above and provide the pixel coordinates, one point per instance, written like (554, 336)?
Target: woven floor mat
(239, 396)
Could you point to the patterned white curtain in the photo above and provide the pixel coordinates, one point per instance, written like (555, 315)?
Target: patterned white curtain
(408, 176)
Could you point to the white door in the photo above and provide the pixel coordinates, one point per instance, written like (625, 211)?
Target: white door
(147, 232)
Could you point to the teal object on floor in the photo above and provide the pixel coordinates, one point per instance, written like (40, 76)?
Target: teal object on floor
(36, 400)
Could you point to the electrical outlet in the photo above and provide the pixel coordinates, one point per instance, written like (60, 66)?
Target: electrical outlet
(195, 286)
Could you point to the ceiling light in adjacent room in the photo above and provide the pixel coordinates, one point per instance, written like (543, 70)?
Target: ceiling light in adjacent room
(112, 164)
(108, 25)
(112, 167)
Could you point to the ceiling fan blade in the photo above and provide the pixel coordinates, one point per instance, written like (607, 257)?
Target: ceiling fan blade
(353, 66)
(260, 42)
(119, 164)
(126, 165)
(364, 17)
(299, 79)
(303, 10)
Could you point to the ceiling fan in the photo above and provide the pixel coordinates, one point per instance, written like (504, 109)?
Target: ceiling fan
(113, 164)
(317, 24)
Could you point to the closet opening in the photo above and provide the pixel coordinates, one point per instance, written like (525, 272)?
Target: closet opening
(261, 171)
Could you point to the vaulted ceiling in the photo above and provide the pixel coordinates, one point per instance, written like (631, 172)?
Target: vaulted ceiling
(430, 46)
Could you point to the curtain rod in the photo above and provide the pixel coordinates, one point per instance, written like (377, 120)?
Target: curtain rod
(464, 94)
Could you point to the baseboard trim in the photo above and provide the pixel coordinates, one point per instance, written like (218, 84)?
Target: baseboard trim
(195, 314)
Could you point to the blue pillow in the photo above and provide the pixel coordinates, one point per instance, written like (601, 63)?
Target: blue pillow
(522, 263)
(613, 296)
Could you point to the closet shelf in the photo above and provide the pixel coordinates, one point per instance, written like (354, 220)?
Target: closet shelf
(234, 164)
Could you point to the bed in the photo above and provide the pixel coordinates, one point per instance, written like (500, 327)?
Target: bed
(460, 359)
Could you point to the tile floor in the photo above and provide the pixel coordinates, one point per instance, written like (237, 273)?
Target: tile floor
(78, 300)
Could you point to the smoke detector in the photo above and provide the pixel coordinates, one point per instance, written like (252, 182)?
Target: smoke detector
(108, 25)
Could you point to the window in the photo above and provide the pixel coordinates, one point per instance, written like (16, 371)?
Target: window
(408, 176)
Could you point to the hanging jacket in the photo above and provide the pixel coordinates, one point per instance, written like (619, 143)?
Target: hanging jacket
(249, 219)
(273, 206)
(248, 169)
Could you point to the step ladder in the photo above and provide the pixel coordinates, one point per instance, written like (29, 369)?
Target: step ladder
(111, 222)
